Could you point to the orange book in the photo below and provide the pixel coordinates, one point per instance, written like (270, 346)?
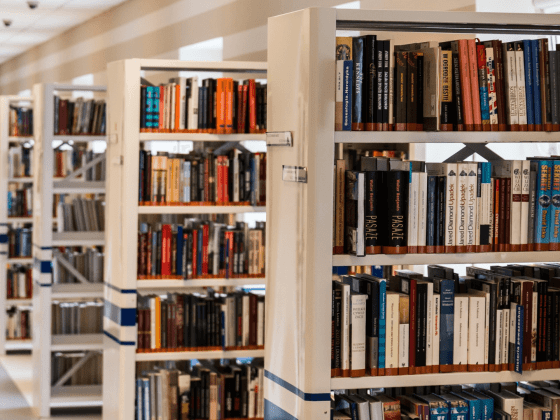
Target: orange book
(466, 92)
(161, 107)
(176, 180)
(475, 93)
(221, 106)
(158, 322)
(177, 106)
(170, 180)
(229, 106)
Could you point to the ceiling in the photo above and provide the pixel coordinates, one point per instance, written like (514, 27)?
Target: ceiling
(51, 17)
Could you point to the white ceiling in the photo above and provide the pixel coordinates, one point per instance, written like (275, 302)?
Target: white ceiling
(50, 18)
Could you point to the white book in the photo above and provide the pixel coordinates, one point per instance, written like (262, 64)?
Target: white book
(461, 330)
(521, 99)
(236, 156)
(182, 82)
(450, 171)
(462, 198)
(246, 319)
(192, 120)
(471, 206)
(375, 408)
(153, 323)
(515, 199)
(477, 320)
(429, 324)
(358, 334)
(260, 323)
(525, 191)
(422, 213)
(492, 97)
(486, 296)
(414, 181)
(339, 94)
(510, 78)
(403, 345)
(345, 327)
(499, 336)
(173, 102)
(509, 402)
(534, 325)
(505, 341)
(21, 285)
(392, 331)
(436, 326)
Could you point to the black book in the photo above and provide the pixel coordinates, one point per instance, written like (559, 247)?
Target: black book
(401, 86)
(335, 329)
(379, 46)
(440, 209)
(412, 91)
(420, 93)
(431, 213)
(357, 83)
(421, 323)
(554, 314)
(201, 107)
(142, 106)
(457, 95)
(397, 208)
(370, 83)
(554, 104)
(239, 317)
(548, 327)
(373, 202)
(370, 288)
(194, 322)
(386, 82)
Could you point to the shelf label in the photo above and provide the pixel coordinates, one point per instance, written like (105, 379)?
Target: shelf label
(279, 138)
(294, 174)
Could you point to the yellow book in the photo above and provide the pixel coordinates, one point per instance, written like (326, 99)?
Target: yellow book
(176, 179)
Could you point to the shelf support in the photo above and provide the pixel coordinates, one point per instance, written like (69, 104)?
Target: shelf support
(87, 166)
(230, 145)
(471, 148)
(66, 264)
(88, 355)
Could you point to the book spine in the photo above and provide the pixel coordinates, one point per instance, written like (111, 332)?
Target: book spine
(431, 214)
(555, 113)
(492, 97)
(447, 312)
(483, 86)
(471, 218)
(496, 213)
(525, 193)
(466, 91)
(392, 348)
(529, 94)
(534, 323)
(476, 328)
(436, 319)
(347, 95)
(387, 106)
(547, 84)
(422, 211)
(521, 89)
(446, 91)
(462, 201)
(475, 92)
(458, 94)
(543, 198)
(401, 71)
(397, 200)
(450, 206)
(372, 228)
(554, 221)
(429, 330)
(536, 69)
(516, 200)
(339, 207)
(421, 328)
(412, 91)
(379, 46)
(511, 87)
(441, 226)
(460, 334)
(527, 302)
(357, 83)
(382, 326)
(413, 325)
(358, 336)
(412, 227)
(519, 339)
(500, 85)
(370, 83)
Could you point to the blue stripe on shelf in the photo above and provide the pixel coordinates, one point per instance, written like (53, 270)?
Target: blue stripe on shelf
(3, 239)
(3, 253)
(118, 289)
(273, 412)
(44, 248)
(116, 340)
(43, 284)
(5, 224)
(306, 396)
(125, 317)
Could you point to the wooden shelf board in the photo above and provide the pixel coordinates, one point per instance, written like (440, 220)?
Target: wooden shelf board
(76, 396)
(201, 137)
(18, 345)
(365, 137)
(199, 209)
(459, 258)
(19, 139)
(77, 342)
(442, 379)
(159, 285)
(20, 219)
(190, 355)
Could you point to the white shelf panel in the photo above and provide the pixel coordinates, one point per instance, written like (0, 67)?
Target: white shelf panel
(199, 209)
(78, 187)
(76, 396)
(77, 291)
(442, 379)
(79, 138)
(78, 239)
(200, 137)
(20, 219)
(459, 258)
(213, 66)
(19, 302)
(15, 345)
(20, 139)
(22, 179)
(77, 342)
(366, 137)
(190, 355)
(20, 260)
(167, 285)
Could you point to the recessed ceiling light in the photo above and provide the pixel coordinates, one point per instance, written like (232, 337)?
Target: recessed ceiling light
(33, 4)
(7, 22)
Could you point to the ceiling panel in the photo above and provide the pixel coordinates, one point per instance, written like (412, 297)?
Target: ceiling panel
(52, 17)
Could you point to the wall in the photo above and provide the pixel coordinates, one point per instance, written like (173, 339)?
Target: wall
(157, 29)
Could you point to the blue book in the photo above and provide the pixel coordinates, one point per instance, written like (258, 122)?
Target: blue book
(154, 247)
(542, 220)
(458, 407)
(475, 405)
(179, 259)
(199, 251)
(529, 94)
(347, 95)
(446, 289)
(146, 399)
(10, 198)
(486, 404)
(546, 414)
(431, 238)
(500, 415)
(518, 356)
(253, 174)
(439, 410)
(139, 399)
(536, 81)
(554, 214)
(382, 322)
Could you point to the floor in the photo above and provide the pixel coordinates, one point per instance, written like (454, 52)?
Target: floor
(16, 392)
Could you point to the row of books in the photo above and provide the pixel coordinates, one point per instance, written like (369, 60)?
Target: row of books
(19, 282)
(200, 249)
(212, 391)
(19, 242)
(79, 116)
(397, 207)
(505, 318)
(506, 401)
(90, 373)
(202, 178)
(20, 160)
(67, 161)
(461, 85)
(81, 215)
(220, 106)
(21, 121)
(18, 325)
(20, 201)
(88, 262)
(192, 322)
(84, 317)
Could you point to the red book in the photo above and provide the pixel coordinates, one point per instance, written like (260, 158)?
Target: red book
(221, 106)
(496, 221)
(229, 106)
(475, 92)
(63, 117)
(527, 302)
(252, 100)
(225, 178)
(412, 328)
(195, 254)
(149, 252)
(161, 106)
(166, 250)
(29, 279)
(240, 109)
(147, 331)
(507, 224)
(466, 91)
(220, 172)
(205, 236)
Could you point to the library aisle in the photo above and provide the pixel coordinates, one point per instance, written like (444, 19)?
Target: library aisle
(16, 376)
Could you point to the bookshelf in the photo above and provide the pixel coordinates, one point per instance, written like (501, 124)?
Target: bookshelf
(6, 222)
(46, 260)
(122, 285)
(301, 99)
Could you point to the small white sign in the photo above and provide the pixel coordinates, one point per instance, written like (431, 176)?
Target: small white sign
(279, 138)
(294, 174)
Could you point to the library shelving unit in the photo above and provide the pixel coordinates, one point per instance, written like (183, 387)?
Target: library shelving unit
(301, 99)
(122, 286)
(45, 260)
(6, 222)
